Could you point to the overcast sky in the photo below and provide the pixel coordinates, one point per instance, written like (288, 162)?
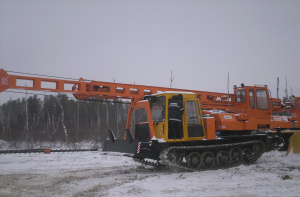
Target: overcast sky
(141, 42)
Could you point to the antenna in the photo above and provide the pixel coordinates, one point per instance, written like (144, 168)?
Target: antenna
(172, 79)
(286, 89)
(277, 87)
(228, 82)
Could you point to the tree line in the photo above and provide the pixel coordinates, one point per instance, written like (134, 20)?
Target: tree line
(60, 118)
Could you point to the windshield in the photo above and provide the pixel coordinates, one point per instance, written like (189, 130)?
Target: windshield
(293, 103)
(158, 109)
(240, 96)
(262, 99)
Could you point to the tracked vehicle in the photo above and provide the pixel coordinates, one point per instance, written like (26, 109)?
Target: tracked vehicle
(196, 148)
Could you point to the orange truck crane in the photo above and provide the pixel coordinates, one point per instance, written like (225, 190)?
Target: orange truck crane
(181, 124)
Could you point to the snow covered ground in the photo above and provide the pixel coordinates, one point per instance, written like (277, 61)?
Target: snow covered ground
(100, 174)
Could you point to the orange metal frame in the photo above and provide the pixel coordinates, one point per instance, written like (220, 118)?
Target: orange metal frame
(83, 89)
(242, 116)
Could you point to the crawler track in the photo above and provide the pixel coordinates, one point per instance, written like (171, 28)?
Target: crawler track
(199, 158)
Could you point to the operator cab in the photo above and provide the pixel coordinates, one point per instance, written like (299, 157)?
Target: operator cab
(186, 124)
(256, 96)
(255, 102)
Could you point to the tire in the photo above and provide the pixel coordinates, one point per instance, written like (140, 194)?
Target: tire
(194, 160)
(208, 160)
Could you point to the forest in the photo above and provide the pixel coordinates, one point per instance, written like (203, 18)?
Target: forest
(60, 118)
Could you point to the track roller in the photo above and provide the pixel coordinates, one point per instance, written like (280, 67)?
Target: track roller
(258, 148)
(174, 157)
(247, 155)
(208, 160)
(194, 160)
(223, 158)
(236, 155)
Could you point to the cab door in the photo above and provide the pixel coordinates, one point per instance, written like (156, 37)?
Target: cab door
(262, 104)
(193, 119)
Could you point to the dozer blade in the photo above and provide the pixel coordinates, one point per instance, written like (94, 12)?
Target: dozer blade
(121, 146)
(294, 143)
(128, 145)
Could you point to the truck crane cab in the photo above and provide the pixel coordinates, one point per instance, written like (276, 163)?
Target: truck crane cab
(252, 111)
(255, 102)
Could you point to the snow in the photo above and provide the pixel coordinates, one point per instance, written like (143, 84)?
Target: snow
(293, 159)
(113, 174)
(161, 140)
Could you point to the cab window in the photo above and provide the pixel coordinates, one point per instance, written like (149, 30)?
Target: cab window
(194, 122)
(192, 112)
(293, 103)
(240, 96)
(158, 109)
(299, 105)
(262, 99)
(251, 98)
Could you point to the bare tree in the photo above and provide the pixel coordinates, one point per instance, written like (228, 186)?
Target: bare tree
(77, 122)
(26, 127)
(98, 126)
(62, 119)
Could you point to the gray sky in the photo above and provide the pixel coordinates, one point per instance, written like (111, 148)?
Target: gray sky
(142, 41)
